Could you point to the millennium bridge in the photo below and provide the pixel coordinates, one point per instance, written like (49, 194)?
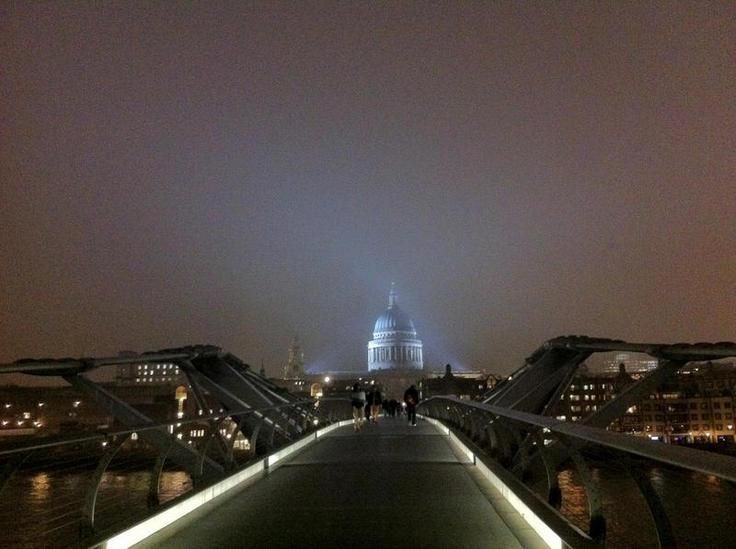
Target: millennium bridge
(490, 473)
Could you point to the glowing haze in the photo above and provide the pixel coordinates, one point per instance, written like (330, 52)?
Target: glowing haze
(235, 173)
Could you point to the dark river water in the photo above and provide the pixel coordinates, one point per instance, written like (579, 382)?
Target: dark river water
(700, 507)
(43, 509)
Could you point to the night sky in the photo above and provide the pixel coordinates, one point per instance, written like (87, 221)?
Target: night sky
(235, 173)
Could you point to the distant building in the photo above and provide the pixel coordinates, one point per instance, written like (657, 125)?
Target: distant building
(695, 406)
(294, 368)
(43, 411)
(149, 373)
(635, 364)
(467, 385)
(395, 345)
(588, 393)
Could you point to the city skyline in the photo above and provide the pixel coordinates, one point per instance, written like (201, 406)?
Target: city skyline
(174, 174)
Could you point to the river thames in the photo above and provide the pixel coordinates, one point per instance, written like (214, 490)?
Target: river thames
(43, 509)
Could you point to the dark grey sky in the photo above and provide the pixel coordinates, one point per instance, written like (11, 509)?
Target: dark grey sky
(234, 173)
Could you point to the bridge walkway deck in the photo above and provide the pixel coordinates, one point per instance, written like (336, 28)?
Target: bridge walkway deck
(389, 485)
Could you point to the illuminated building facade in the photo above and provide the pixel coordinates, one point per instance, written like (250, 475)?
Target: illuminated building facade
(395, 345)
(696, 406)
(635, 364)
(150, 373)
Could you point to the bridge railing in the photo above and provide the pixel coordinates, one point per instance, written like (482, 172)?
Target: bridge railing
(532, 451)
(68, 491)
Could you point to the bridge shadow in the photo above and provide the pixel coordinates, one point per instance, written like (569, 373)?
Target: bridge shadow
(389, 485)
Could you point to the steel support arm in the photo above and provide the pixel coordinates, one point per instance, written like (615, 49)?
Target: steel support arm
(159, 439)
(631, 395)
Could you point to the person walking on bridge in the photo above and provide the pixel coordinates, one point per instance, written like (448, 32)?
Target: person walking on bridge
(358, 401)
(374, 399)
(411, 397)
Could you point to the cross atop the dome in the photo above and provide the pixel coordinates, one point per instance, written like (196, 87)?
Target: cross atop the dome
(392, 296)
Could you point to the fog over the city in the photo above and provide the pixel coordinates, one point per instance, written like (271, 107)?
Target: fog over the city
(234, 174)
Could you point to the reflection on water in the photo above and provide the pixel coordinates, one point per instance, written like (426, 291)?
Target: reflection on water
(44, 509)
(574, 500)
(40, 488)
(697, 506)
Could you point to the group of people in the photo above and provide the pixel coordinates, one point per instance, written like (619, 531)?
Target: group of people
(367, 405)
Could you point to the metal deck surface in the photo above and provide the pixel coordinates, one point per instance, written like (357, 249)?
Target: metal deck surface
(389, 485)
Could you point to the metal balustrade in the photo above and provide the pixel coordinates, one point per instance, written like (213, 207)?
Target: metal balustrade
(82, 515)
(82, 478)
(91, 485)
(520, 447)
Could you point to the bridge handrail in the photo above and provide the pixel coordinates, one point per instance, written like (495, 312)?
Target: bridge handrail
(51, 442)
(686, 458)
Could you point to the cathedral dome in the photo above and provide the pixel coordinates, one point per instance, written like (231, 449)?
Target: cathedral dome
(394, 320)
(395, 344)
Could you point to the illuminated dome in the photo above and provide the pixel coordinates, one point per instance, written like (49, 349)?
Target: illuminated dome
(394, 344)
(394, 320)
